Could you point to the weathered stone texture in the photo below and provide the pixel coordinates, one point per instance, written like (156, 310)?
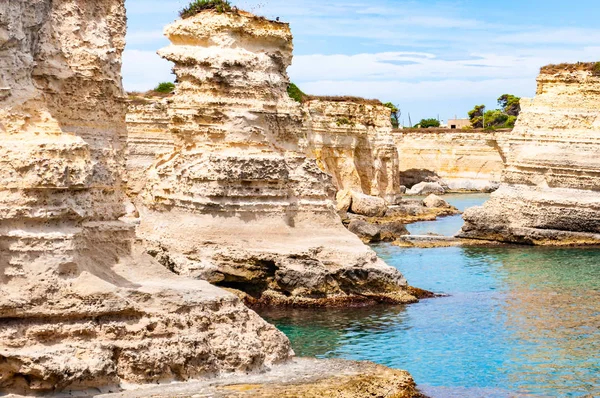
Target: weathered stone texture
(237, 201)
(80, 305)
(461, 161)
(352, 141)
(549, 193)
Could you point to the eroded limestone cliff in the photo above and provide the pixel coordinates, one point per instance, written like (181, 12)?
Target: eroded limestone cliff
(238, 202)
(460, 161)
(80, 305)
(549, 192)
(352, 141)
(148, 137)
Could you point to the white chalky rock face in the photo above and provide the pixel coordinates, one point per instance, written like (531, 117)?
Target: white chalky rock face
(549, 194)
(80, 305)
(237, 202)
(353, 141)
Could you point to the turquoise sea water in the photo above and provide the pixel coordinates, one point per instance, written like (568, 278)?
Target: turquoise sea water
(449, 226)
(518, 322)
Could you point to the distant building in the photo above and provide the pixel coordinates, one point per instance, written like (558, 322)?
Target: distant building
(457, 124)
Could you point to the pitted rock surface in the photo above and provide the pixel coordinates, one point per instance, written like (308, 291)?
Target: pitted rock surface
(549, 191)
(237, 201)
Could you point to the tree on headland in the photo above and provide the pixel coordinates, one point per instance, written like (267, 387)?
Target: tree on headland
(505, 117)
(395, 114)
(476, 116)
(510, 104)
(428, 123)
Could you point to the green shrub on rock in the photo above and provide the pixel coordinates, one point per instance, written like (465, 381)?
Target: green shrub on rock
(165, 88)
(198, 6)
(295, 93)
(596, 69)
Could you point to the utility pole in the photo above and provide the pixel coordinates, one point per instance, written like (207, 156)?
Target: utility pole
(483, 111)
(409, 121)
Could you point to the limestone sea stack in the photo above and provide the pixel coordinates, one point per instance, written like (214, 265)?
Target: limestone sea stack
(80, 305)
(351, 138)
(549, 191)
(238, 202)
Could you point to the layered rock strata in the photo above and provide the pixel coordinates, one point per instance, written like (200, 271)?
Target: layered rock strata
(549, 192)
(237, 202)
(306, 378)
(460, 161)
(353, 142)
(148, 137)
(80, 305)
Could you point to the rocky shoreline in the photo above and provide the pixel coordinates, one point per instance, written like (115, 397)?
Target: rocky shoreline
(131, 240)
(89, 256)
(549, 191)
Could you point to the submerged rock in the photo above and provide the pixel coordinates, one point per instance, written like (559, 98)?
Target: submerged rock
(549, 192)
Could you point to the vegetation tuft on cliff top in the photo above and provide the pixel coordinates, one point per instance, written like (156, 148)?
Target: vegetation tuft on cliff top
(295, 93)
(198, 6)
(593, 67)
(298, 95)
(343, 98)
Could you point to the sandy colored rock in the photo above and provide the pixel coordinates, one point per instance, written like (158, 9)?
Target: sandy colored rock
(373, 231)
(435, 201)
(426, 188)
(366, 205)
(461, 160)
(80, 305)
(237, 201)
(306, 378)
(343, 201)
(413, 210)
(148, 137)
(549, 192)
(353, 142)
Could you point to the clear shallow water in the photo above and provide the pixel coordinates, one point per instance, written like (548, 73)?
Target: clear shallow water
(519, 322)
(449, 226)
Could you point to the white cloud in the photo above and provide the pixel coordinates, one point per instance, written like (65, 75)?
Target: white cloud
(426, 59)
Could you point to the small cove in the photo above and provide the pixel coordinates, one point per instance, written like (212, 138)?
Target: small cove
(518, 322)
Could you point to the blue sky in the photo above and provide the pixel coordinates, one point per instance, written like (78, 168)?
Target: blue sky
(429, 57)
